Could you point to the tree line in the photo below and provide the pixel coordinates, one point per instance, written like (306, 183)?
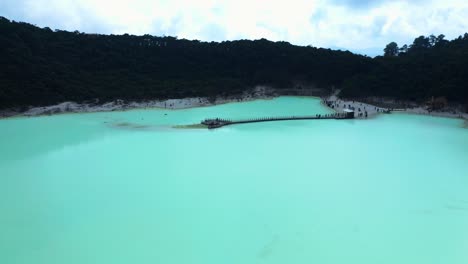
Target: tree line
(40, 66)
(429, 67)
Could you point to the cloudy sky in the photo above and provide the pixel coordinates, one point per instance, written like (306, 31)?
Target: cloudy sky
(364, 26)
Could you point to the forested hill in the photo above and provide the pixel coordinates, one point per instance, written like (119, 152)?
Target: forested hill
(430, 66)
(39, 66)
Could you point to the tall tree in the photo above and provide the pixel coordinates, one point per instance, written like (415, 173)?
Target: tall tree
(391, 50)
(441, 40)
(403, 49)
(432, 40)
(421, 43)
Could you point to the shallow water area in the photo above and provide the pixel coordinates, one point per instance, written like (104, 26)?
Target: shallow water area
(127, 187)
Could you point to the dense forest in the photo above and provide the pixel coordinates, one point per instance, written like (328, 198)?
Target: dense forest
(39, 66)
(429, 67)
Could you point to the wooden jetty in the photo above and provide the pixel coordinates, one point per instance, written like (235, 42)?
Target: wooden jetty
(220, 122)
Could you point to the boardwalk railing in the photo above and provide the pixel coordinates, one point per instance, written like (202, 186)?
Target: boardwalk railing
(219, 122)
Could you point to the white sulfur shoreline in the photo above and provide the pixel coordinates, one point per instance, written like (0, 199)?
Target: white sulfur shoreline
(372, 110)
(258, 93)
(120, 105)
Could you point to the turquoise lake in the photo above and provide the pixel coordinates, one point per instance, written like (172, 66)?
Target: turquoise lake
(126, 187)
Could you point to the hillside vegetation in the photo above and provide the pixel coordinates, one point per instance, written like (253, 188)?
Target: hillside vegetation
(39, 66)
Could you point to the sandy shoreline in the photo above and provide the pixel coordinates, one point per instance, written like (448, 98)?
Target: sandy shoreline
(118, 105)
(362, 110)
(339, 105)
(121, 105)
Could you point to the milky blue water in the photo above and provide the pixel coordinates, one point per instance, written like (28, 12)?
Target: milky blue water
(126, 187)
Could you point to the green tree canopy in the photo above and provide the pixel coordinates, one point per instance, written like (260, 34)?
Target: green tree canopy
(40, 66)
(391, 50)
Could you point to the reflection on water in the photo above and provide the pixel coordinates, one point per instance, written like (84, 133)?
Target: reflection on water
(23, 138)
(131, 187)
(131, 126)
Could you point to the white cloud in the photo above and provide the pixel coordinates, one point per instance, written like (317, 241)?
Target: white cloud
(348, 24)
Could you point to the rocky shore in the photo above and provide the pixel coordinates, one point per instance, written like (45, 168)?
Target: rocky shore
(366, 110)
(372, 106)
(362, 109)
(121, 105)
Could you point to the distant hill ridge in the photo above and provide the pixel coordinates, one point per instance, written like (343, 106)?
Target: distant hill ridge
(39, 66)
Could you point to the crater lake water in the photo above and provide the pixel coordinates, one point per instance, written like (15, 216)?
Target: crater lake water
(126, 187)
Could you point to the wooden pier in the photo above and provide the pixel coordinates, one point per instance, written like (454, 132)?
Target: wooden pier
(220, 122)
